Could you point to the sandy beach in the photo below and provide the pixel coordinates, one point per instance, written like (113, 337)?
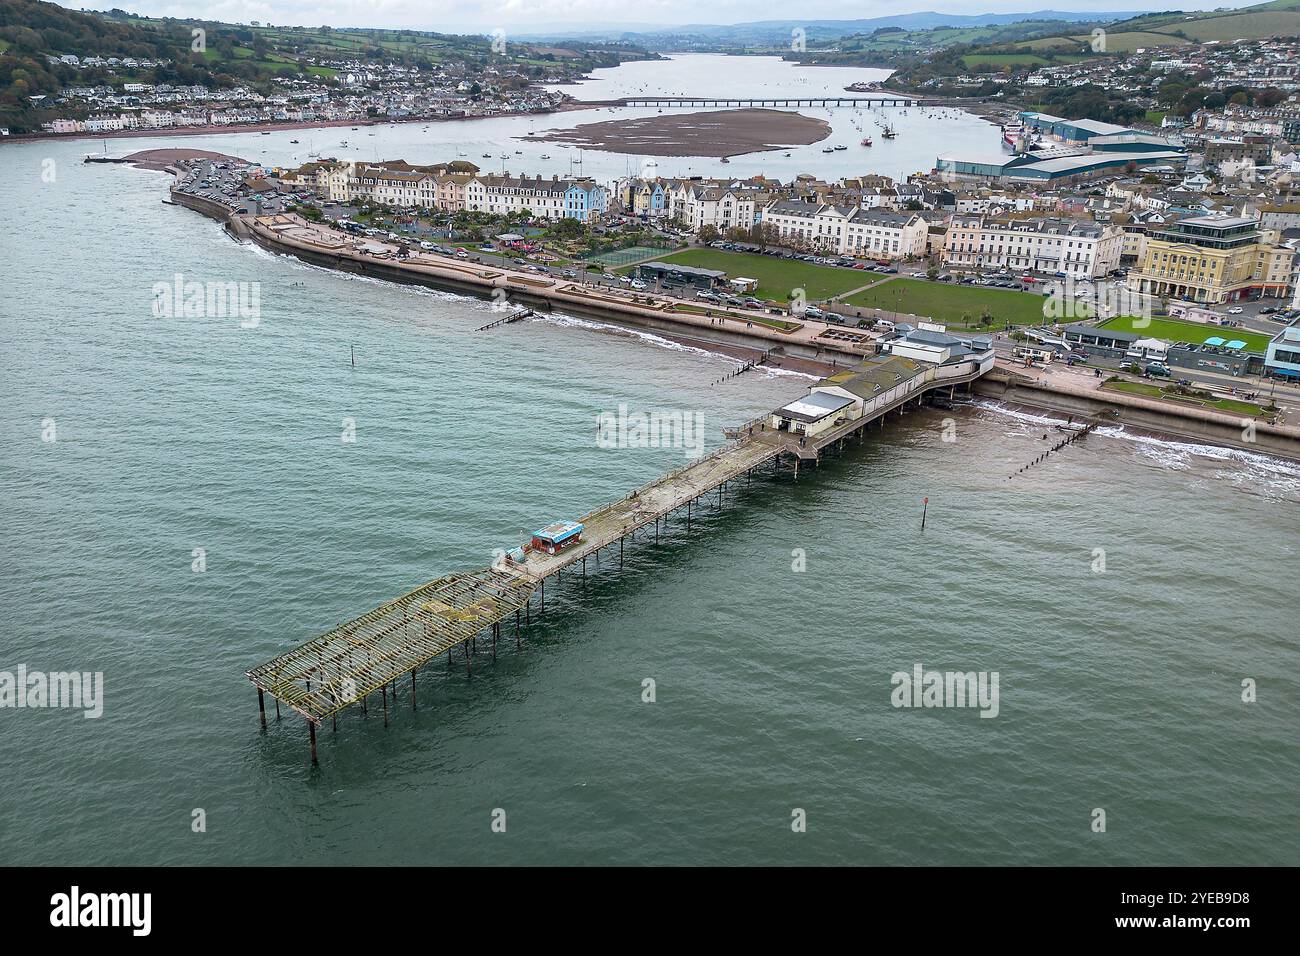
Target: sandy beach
(714, 133)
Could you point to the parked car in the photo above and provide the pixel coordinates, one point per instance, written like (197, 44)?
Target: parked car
(1157, 370)
(638, 285)
(1235, 310)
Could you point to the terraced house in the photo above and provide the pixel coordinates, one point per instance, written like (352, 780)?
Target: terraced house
(1080, 248)
(554, 198)
(809, 225)
(699, 203)
(1213, 259)
(849, 230)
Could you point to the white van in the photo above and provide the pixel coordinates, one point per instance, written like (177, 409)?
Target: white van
(884, 325)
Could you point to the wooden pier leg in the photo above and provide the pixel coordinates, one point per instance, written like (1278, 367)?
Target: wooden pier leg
(261, 707)
(383, 692)
(412, 688)
(516, 629)
(656, 530)
(584, 567)
(541, 607)
(468, 671)
(796, 468)
(688, 516)
(311, 729)
(364, 708)
(495, 628)
(335, 718)
(620, 552)
(277, 708)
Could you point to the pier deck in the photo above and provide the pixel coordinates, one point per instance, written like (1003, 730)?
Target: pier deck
(372, 652)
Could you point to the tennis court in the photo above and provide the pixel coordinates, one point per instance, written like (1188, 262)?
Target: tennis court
(621, 257)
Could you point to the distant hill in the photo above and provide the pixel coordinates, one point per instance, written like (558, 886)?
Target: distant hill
(770, 33)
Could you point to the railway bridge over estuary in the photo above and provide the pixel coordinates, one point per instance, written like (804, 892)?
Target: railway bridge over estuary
(383, 649)
(879, 99)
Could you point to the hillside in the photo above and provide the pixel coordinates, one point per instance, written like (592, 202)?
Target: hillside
(1031, 42)
(32, 31)
(769, 34)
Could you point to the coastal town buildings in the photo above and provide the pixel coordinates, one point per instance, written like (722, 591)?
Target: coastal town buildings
(554, 198)
(1213, 260)
(848, 230)
(1080, 248)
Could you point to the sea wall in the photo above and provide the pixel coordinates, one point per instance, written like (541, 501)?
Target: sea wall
(1196, 424)
(547, 295)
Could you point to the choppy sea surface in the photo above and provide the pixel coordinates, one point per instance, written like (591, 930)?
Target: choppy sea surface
(1120, 689)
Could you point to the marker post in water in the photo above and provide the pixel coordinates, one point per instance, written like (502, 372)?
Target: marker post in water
(925, 504)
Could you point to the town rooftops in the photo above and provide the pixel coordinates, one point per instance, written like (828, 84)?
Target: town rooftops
(875, 375)
(883, 217)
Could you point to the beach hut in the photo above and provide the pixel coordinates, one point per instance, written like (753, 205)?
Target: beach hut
(557, 536)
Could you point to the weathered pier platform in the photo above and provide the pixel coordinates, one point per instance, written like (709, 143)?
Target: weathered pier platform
(385, 646)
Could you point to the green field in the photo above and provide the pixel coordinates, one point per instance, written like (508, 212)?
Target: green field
(1242, 26)
(777, 277)
(1175, 330)
(949, 302)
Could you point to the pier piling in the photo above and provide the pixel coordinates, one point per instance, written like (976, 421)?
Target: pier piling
(261, 708)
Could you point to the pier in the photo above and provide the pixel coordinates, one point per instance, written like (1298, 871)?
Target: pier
(385, 648)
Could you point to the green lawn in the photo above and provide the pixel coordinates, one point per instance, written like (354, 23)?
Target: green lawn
(948, 302)
(777, 277)
(1232, 405)
(1175, 330)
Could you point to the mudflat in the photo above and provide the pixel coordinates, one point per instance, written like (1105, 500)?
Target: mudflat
(714, 133)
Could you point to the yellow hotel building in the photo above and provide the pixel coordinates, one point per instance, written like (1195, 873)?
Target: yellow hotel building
(1212, 259)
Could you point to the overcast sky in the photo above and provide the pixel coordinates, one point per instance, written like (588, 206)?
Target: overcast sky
(482, 16)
